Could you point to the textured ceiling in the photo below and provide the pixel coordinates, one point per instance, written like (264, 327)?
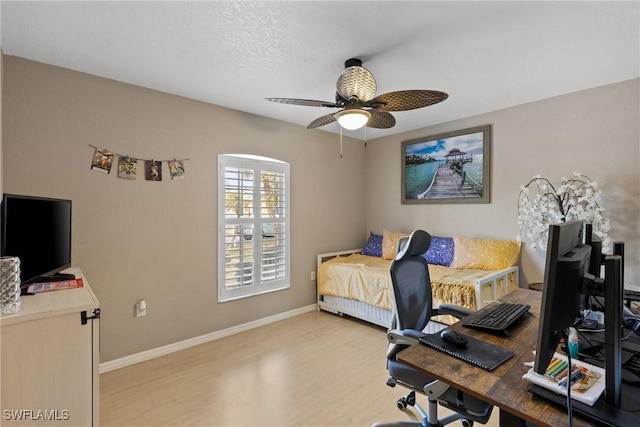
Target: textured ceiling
(485, 55)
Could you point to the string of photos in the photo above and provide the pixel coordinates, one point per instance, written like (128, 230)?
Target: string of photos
(103, 160)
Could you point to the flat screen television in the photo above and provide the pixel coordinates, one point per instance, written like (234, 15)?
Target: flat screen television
(38, 231)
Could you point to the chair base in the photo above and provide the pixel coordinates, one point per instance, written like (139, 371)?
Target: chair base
(439, 393)
(429, 417)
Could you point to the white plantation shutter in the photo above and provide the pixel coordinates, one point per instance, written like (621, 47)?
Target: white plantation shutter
(253, 219)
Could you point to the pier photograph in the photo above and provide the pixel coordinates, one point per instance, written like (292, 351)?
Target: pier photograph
(448, 168)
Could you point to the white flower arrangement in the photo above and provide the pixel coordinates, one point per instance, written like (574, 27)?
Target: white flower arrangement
(541, 204)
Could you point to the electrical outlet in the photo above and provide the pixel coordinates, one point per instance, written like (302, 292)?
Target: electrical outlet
(140, 308)
(313, 276)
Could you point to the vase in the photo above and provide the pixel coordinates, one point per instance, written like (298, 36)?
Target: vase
(9, 284)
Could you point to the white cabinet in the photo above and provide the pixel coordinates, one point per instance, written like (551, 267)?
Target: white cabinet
(50, 359)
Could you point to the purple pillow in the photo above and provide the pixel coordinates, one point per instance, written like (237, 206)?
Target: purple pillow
(440, 252)
(373, 246)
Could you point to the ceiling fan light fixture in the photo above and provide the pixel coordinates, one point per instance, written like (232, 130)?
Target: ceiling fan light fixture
(353, 119)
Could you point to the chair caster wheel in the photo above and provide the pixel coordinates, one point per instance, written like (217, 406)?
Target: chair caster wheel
(466, 423)
(402, 403)
(409, 400)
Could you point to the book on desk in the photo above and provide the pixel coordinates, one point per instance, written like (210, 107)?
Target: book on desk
(36, 288)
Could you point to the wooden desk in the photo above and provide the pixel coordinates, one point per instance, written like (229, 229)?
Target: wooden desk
(503, 387)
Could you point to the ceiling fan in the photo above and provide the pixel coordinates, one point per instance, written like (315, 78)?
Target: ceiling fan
(356, 89)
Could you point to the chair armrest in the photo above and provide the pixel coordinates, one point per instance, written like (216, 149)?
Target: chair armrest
(404, 336)
(452, 309)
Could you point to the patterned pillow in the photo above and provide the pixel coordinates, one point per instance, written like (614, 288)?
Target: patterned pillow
(373, 246)
(390, 243)
(441, 251)
(483, 254)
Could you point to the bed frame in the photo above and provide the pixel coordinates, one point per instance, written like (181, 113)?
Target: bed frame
(341, 306)
(486, 290)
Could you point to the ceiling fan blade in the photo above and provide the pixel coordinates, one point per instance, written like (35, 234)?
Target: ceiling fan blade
(356, 81)
(321, 121)
(305, 102)
(404, 100)
(381, 120)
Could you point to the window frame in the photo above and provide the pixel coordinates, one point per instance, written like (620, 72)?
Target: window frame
(256, 241)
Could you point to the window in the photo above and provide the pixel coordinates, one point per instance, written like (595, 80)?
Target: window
(253, 219)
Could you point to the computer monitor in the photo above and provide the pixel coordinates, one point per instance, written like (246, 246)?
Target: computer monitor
(567, 262)
(567, 280)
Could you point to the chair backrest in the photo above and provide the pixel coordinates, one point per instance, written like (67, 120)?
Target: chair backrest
(411, 282)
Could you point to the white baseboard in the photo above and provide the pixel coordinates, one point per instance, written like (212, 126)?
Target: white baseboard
(161, 351)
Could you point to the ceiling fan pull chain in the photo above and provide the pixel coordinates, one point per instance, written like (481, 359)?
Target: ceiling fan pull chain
(340, 141)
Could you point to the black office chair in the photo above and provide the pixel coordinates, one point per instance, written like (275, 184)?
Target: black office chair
(412, 315)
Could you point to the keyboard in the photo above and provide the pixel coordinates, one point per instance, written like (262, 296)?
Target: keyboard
(498, 317)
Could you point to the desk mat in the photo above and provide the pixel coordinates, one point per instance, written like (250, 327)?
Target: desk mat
(479, 353)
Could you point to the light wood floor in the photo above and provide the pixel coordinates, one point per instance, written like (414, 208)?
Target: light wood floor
(316, 369)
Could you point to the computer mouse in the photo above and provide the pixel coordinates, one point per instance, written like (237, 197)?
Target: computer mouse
(453, 337)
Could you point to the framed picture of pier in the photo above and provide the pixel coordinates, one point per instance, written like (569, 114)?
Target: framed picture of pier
(453, 167)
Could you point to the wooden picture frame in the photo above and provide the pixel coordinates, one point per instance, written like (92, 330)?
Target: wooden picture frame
(452, 167)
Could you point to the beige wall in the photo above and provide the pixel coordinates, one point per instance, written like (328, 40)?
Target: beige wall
(157, 240)
(138, 239)
(595, 132)
(1, 154)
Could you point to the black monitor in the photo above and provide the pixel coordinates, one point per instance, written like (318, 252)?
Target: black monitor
(567, 280)
(38, 231)
(567, 262)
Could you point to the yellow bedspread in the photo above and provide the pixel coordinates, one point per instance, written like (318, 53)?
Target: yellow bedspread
(452, 286)
(358, 277)
(367, 279)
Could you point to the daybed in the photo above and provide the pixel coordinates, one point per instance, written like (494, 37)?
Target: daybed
(464, 271)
